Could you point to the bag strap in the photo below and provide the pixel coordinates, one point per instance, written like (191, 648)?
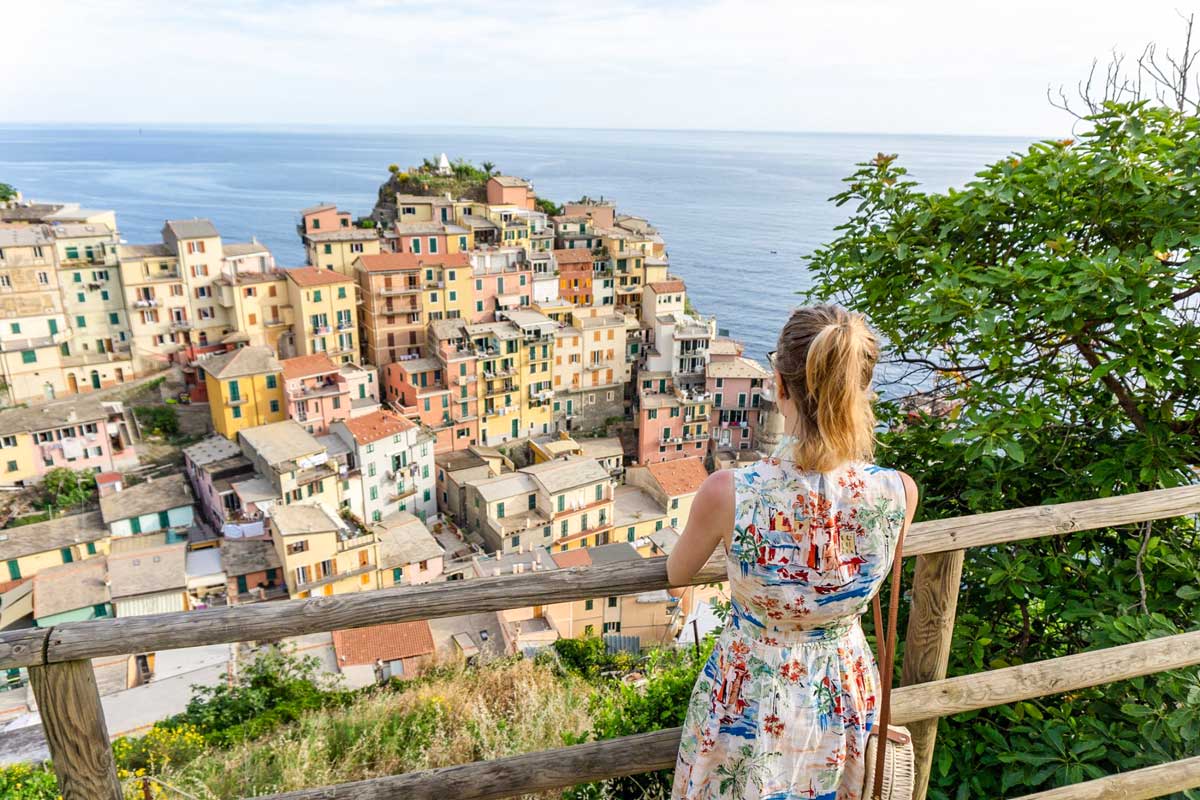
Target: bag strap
(885, 646)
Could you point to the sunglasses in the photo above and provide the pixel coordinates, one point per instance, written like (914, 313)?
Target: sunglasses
(771, 359)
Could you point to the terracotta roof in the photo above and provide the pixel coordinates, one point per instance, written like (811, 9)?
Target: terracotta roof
(675, 285)
(307, 366)
(572, 558)
(314, 276)
(361, 646)
(679, 476)
(385, 262)
(376, 426)
(7, 585)
(510, 181)
(577, 255)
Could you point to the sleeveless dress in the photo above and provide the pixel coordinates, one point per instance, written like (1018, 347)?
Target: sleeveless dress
(783, 707)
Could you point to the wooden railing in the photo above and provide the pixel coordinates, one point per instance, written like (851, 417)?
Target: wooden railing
(65, 685)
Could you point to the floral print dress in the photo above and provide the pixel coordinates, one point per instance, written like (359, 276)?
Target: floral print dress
(783, 707)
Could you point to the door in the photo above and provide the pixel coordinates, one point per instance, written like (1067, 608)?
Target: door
(241, 584)
(53, 326)
(516, 428)
(95, 379)
(72, 383)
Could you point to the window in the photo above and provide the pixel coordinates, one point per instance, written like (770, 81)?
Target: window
(317, 296)
(629, 535)
(237, 412)
(432, 245)
(588, 605)
(500, 511)
(114, 318)
(91, 548)
(43, 278)
(8, 441)
(562, 502)
(28, 356)
(415, 245)
(271, 382)
(16, 327)
(328, 249)
(14, 570)
(274, 406)
(588, 630)
(532, 501)
(371, 470)
(397, 574)
(341, 292)
(516, 540)
(374, 492)
(599, 491)
(298, 547)
(612, 627)
(12, 466)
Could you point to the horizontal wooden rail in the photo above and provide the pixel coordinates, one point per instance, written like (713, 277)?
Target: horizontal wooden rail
(1139, 784)
(611, 757)
(275, 620)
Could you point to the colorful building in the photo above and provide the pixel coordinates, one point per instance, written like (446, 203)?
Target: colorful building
(319, 392)
(325, 305)
(321, 554)
(332, 241)
(737, 386)
(80, 433)
(391, 287)
(673, 419)
(390, 466)
(245, 389)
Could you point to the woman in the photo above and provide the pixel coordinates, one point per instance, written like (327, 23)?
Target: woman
(783, 707)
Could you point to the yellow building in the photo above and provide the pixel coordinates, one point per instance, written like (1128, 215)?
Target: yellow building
(448, 288)
(672, 484)
(325, 305)
(563, 504)
(245, 389)
(33, 328)
(156, 300)
(321, 554)
(337, 250)
(258, 306)
(29, 549)
(514, 375)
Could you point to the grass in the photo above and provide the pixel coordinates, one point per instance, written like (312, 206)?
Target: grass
(456, 716)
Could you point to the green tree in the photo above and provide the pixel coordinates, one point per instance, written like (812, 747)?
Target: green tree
(488, 166)
(7, 192)
(65, 488)
(1047, 314)
(548, 207)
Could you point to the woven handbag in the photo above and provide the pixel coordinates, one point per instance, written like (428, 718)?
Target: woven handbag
(890, 772)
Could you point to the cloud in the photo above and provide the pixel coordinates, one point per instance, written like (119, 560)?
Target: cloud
(836, 65)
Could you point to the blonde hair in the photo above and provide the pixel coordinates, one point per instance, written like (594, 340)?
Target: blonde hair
(826, 357)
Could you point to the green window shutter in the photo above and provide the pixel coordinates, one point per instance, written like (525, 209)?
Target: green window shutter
(28, 356)
(100, 610)
(271, 382)
(164, 519)
(397, 574)
(629, 534)
(328, 249)
(14, 570)
(67, 555)
(241, 584)
(91, 548)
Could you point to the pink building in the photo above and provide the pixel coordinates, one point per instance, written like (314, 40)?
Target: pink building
(319, 392)
(437, 392)
(500, 284)
(81, 433)
(505, 189)
(323, 219)
(736, 384)
(672, 422)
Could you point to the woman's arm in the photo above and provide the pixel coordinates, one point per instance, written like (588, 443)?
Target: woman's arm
(912, 496)
(710, 521)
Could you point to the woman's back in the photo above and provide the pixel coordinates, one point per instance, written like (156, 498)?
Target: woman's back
(809, 549)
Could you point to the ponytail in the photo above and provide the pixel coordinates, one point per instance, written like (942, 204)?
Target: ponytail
(826, 357)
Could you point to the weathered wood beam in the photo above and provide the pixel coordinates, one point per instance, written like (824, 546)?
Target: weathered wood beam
(266, 621)
(927, 644)
(1139, 784)
(73, 721)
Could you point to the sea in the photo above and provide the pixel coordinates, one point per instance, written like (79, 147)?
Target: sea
(739, 211)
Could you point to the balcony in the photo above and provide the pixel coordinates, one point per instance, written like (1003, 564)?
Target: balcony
(396, 495)
(502, 387)
(321, 330)
(180, 325)
(393, 291)
(669, 439)
(328, 389)
(435, 284)
(337, 576)
(33, 342)
(359, 539)
(345, 326)
(146, 302)
(167, 275)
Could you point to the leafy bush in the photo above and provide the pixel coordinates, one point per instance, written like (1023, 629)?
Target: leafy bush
(275, 688)
(7, 192)
(28, 782)
(63, 487)
(623, 709)
(548, 207)
(158, 420)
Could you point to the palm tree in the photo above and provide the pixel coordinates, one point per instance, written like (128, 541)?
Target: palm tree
(488, 166)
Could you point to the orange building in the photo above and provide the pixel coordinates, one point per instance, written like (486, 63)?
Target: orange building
(575, 273)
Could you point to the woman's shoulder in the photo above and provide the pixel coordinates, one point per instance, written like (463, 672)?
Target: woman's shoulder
(896, 481)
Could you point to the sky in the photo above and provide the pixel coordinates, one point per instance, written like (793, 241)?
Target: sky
(890, 66)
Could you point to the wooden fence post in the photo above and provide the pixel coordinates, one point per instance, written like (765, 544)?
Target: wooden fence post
(73, 721)
(927, 643)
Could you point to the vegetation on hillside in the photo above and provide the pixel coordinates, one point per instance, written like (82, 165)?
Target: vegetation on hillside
(1052, 304)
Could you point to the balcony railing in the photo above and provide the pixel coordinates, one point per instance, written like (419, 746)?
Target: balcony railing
(64, 684)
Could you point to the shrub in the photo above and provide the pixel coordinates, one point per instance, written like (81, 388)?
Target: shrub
(63, 487)
(158, 420)
(28, 782)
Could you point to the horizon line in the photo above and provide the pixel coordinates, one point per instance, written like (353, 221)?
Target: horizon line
(300, 127)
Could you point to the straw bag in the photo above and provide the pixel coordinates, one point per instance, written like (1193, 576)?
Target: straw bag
(890, 769)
